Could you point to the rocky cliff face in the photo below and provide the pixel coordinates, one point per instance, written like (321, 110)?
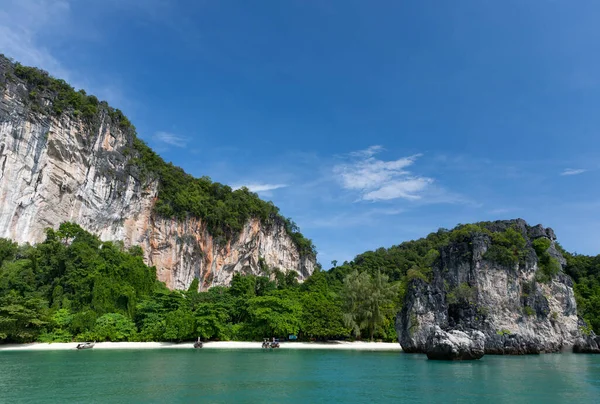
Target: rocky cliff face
(517, 313)
(61, 168)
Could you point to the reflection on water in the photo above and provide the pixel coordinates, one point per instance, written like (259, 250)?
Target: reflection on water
(256, 376)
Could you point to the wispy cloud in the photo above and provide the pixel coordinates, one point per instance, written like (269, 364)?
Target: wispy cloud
(378, 180)
(260, 187)
(406, 189)
(573, 171)
(22, 26)
(170, 139)
(368, 152)
(31, 31)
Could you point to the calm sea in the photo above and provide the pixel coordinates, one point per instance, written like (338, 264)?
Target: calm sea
(285, 376)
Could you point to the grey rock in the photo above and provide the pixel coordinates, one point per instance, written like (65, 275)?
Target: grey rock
(454, 345)
(537, 231)
(516, 314)
(587, 344)
(512, 344)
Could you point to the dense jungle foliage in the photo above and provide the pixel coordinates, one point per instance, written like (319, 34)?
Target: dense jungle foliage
(414, 259)
(225, 211)
(75, 287)
(585, 271)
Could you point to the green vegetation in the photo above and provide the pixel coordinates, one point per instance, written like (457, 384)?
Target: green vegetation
(180, 195)
(528, 311)
(368, 302)
(395, 262)
(585, 271)
(63, 97)
(463, 293)
(508, 248)
(69, 285)
(416, 259)
(586, 330)
(548, 265)
(503, 332)
(75, 287)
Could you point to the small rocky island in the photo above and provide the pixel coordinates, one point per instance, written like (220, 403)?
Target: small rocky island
(494, 289)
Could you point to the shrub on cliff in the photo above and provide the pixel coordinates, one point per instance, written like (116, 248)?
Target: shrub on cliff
(548, 265)
(463, 293)
(508, 248)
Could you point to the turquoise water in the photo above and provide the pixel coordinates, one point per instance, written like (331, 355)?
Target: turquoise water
(286, 376)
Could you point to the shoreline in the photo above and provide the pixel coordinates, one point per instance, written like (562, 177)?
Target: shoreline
(332, 345)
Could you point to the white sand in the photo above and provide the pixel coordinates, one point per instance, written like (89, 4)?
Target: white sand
(351, 346)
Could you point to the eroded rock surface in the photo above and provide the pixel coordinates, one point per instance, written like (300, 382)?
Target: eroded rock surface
(454, 345)
(56, 169)
(516, 313)
(587, 344)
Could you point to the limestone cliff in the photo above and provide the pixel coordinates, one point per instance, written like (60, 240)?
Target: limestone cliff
(518, 311)
(62, 167)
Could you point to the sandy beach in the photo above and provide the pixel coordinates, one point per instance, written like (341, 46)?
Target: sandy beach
(334, 345)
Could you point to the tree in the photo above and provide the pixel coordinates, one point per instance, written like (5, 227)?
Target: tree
(8, 250)
(274, 315)
(243, 285)
(355, 293)
(212, 321)
(194, 286)
(21, 319)
(114, 327)
(59, 324)
(367, 301)
(322, 316)
(179, 325)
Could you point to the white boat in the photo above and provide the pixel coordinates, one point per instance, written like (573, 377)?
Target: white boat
(86, 345)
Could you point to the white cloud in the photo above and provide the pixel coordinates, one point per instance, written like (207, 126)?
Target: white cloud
(30, 29)
(407, 189)
(573, 171)
(380, 180)
(260, 187)
(23, 24)
(170, 139)
(368, 152)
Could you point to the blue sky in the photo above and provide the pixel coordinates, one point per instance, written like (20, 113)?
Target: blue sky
(368, 123)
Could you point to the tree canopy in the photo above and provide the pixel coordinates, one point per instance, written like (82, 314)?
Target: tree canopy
(73, 286)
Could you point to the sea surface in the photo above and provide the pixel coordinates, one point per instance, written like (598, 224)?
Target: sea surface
(288, 376)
